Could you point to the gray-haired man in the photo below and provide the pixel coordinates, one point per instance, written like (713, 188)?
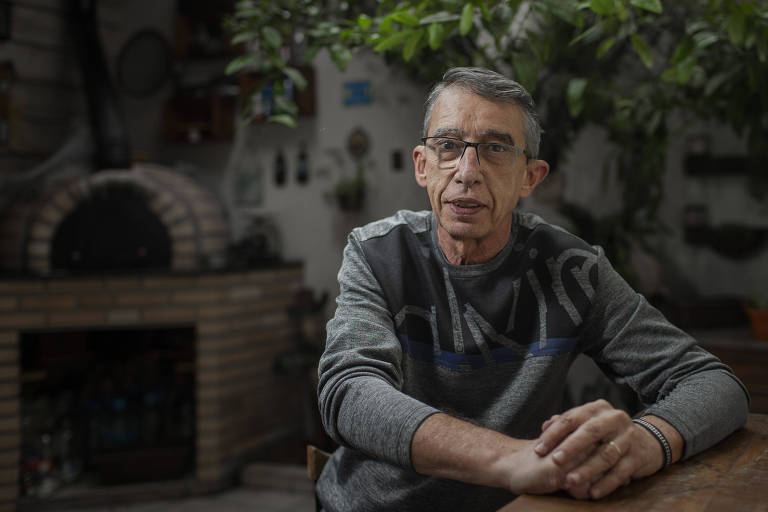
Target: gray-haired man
(445, 362)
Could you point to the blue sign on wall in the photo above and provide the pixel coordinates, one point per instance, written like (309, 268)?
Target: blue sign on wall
(357, 93)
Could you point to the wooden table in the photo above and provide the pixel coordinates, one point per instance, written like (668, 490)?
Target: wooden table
(731, 476)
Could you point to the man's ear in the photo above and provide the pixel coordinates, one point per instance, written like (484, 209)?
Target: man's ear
(420, 165)
(535, 172)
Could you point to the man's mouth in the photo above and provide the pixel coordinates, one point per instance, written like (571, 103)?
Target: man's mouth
(465, 206)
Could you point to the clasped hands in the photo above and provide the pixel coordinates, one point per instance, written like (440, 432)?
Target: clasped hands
(589, 451)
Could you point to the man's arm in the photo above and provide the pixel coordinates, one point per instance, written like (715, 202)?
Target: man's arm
(447, 447)
(695, 399)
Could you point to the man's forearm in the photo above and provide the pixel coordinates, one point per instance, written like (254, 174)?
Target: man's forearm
(447, 447)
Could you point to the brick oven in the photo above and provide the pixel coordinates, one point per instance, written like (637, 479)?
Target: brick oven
(123, 256)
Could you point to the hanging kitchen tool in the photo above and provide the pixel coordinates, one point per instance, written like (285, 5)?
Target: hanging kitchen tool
(144, 63)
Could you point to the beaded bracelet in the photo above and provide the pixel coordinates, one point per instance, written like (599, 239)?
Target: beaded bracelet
(650, 427)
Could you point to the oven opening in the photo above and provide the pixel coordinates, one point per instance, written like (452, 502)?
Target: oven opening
(113, 229)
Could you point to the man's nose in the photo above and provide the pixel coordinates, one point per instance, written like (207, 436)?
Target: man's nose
(468, 171)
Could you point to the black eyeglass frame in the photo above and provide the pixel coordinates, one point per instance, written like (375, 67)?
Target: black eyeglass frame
(477, 145)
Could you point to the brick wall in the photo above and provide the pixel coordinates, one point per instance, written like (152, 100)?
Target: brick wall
(241, 325)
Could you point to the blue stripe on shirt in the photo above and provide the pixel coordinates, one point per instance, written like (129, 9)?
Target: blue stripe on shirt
(453, 360)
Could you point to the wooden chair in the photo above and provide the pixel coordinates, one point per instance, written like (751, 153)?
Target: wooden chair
(316, 459)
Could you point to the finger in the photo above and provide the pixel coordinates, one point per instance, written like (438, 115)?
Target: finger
(560, 426)
(606, 425)
(605, 457)
(547, 423)
(619, 475)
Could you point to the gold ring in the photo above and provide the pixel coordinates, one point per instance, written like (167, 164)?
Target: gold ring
(621, 454)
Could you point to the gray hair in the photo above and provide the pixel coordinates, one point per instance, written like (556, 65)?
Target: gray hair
(492, 86)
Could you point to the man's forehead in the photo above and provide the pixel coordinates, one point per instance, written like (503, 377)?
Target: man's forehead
(459, 112)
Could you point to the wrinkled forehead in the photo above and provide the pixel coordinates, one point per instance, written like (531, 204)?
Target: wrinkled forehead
(464, 114)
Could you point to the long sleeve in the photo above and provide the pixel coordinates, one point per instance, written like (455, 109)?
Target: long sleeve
(682, 383)
(360, 378)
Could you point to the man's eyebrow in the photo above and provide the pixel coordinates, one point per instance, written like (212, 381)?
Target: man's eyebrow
(498, 136)
(447, 132)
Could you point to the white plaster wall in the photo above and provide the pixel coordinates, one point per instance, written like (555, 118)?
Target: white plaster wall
(312, 229)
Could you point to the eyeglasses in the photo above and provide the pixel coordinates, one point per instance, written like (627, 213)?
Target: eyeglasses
(449, 151)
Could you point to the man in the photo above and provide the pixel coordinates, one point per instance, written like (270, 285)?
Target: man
(446, 359)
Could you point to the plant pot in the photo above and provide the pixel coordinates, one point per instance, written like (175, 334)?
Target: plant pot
(758, 319)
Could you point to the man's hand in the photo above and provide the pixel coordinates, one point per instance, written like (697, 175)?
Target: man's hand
(447, 447)
(601, 449)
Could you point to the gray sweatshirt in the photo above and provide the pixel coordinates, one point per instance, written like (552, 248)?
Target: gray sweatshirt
(490, 343)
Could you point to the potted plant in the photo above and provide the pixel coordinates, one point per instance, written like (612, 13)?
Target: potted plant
(349, 192)
(757, 310)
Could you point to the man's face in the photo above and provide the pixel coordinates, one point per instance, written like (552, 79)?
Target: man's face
(474, 200)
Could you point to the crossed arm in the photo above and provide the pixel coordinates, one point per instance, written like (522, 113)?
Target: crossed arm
(589, 451)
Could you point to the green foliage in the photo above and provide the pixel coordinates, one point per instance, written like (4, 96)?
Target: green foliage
(625, 65)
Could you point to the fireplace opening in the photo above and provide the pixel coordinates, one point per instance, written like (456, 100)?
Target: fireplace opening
(112, 229)
(106, 406)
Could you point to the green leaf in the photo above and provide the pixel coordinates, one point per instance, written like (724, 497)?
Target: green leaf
(436, 34)
(589, 35)
(272, 38)
(406, 18)
(244, 36)
(605, 47)
(526, 71)
(364, 21)
(340, 55)
(621, 12)
(440, 17)
(714, 83)
(696, 26)
(241, 62)
(648, 5)
(669, 75)
(285, 105)
(391, 41)
(412, 44)
(566, 11)
(642, 50)
(736, 27)
(296, 77)
(285, 119)
(683, 50)
(386, 23)
(575, 95)
(684, 70)
(704, 39)
(465, 25)
(485, 12)
(604, 7)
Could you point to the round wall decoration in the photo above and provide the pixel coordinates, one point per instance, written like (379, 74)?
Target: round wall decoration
(358, 143)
